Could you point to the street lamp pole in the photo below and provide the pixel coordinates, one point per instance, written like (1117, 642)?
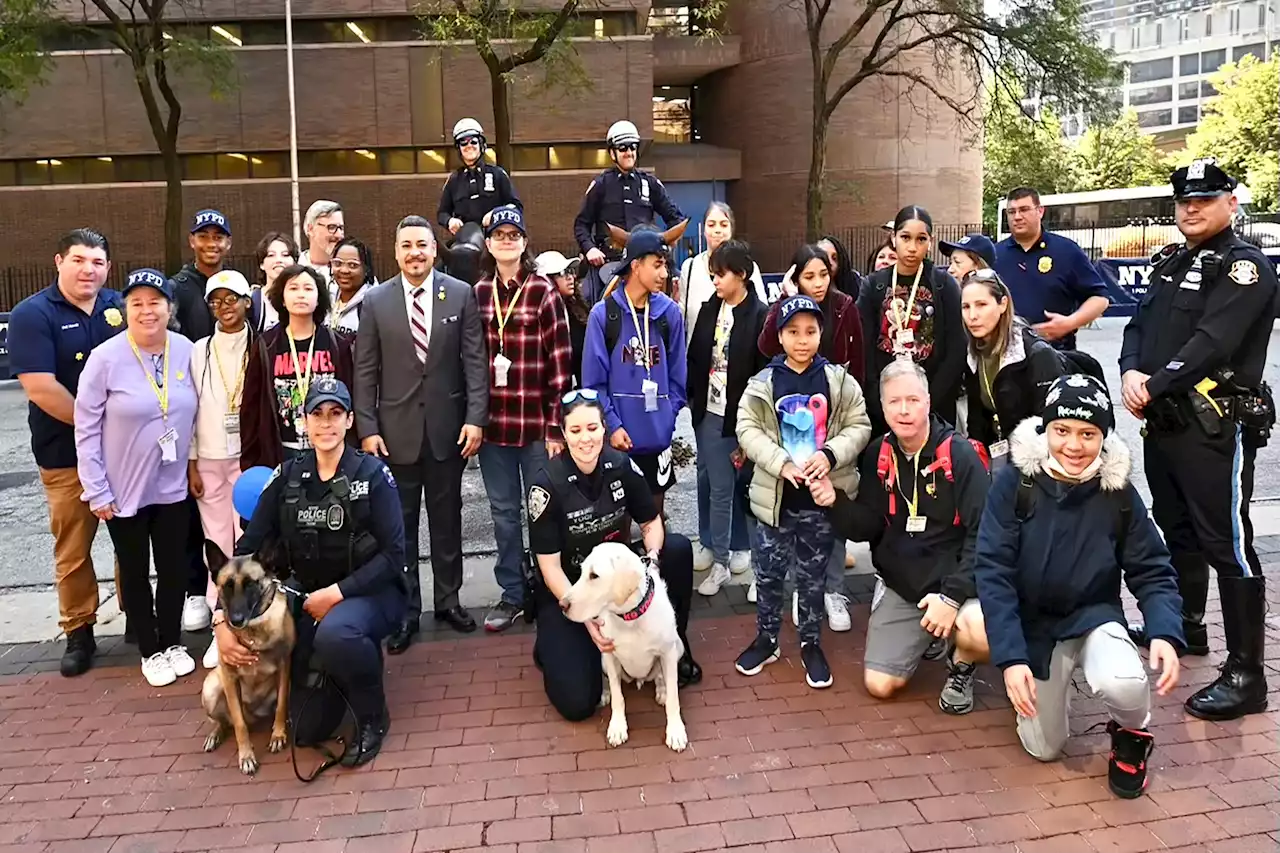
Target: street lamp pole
(293, 124)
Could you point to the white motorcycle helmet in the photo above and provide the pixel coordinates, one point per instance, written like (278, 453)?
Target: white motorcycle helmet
(622, 133)
(468, 127)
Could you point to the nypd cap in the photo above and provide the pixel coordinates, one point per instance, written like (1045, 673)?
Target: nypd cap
(326, 389)
(1201, 179)
(798, 304)
(147, 277)
(210, 219)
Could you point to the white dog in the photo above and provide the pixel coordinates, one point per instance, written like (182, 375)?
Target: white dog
(630, 603)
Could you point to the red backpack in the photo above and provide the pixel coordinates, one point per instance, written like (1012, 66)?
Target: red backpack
(941, 462)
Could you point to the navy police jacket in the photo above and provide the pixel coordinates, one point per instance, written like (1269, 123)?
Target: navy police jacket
(1056, 575)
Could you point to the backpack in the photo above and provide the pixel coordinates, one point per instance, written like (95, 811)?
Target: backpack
(1025, 500)
(613, 326)
(941, 462)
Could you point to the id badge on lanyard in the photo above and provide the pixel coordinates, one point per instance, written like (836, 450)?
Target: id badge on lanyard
(231, 426)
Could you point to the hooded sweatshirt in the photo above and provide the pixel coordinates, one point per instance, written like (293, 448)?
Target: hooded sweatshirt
(1056, 574)
(619, 375)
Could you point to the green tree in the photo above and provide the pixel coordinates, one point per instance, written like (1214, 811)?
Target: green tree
(23, 23)
(1241, 127)
(1119, 154)
(944, 49)
(1021, 150)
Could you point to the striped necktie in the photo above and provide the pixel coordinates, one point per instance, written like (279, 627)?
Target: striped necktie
(418, 325)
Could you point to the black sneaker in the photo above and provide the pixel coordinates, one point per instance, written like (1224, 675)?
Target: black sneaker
(688, 671)
(762, 652)
(81, 648)
(1127, 767)
(957, 694)
(939, 649)
(816, 671)
(502, 616)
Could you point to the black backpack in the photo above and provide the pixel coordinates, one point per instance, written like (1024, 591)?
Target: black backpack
(1025, 501)
(613, 326)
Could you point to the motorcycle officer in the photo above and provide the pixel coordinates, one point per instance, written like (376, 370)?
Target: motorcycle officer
(476, 187)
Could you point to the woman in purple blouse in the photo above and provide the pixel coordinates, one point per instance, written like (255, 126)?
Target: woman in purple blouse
(134, 418)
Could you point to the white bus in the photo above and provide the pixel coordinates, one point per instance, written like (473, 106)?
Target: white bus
(1133, 222)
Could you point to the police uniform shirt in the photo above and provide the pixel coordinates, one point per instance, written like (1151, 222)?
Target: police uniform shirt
(1207, 307)
(47, 334)
(571, 512)
(625, 200)
(370, 480)
(1053, 275)
(471, 193)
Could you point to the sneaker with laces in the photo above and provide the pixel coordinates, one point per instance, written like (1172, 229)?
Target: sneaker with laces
(196, 614)
(762, 652)
(739, 561)
(503, 615)
(816, 671)
(180, 659)
(838, 618)
(702, 557)
(1127, 766)
(210, 660)
(718, 576)
(751, 593)
(957, 694)
(158, 671)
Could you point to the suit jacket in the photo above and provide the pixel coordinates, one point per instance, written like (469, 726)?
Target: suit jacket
(404, 400)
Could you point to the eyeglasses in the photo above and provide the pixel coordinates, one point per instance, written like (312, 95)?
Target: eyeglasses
(335, 228)
(506, 236)
(224, 302)
(626, 147)
(354, 266)
(470, 140)
(591, 395)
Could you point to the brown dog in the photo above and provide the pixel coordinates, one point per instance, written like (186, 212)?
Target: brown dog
(257, 611)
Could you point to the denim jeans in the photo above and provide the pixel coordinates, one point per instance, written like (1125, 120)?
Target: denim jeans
(503, 469)
(722, 523)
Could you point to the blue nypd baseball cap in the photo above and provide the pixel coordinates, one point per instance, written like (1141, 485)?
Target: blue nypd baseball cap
(327, 389)
(508, 214)
(978, 244)
(641, 243)
(147, 277)
(209, 218)
(798, 304)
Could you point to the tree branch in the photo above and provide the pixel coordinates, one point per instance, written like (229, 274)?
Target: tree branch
(543, 42)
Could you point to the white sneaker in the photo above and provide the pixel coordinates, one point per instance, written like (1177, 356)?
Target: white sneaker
(739, 561)
(795, 609)
(157, 670)
(751, 593)
(838, 618)
(196, 614)
(702, 557)
(210, 660)
(180, 659)
(713, 581)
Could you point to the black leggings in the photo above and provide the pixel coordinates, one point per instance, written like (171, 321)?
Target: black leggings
(158, 531)
(571, 667)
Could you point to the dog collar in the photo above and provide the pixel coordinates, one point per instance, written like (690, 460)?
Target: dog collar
(645, 600)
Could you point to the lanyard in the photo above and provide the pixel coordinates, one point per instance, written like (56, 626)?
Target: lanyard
(497, 310)
(162, 394)
(642, 331)
(911, 298)
(914, 503)
(986, 384)
(304, 379)
(233, 397)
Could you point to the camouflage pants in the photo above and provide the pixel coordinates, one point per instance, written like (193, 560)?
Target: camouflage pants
(801, 541)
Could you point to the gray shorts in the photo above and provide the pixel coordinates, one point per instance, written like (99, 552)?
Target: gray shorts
(895, 641)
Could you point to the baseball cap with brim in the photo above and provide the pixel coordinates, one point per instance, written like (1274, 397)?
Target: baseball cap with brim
(147, 277)
(228, 280)
(210, 219)
(508, 214)
(554, 263)
(642, 243)
(795, 305)
(327, 390)
(978, 244)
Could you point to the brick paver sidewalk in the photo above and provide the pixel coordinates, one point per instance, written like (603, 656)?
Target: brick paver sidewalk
(477, 760)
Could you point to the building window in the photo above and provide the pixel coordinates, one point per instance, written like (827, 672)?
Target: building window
(1184, 29)
(1207, 89)
(1208, 24)
(398, 161)
(1212, 60)
(1111, 40)
(1256, 50)
(1155, 118)
(1188, 115)
(139, 169)
(432, 161)
(1159, 33)
(8, 173)
(233, 166)
(199, 167)
(1188, 91)
(1135, 38)
(99, 170)
(1152, 70)
(269, 165)
(672, 114)
(1262, 14)
(34, 172)
(1233, 20)
(1189, 65)
(1152, 95)
(529, 158)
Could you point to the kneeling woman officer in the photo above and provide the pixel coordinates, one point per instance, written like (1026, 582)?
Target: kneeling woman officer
(581, 498)
(330, 518)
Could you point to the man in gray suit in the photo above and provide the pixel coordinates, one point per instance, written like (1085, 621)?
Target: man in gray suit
(422, 402)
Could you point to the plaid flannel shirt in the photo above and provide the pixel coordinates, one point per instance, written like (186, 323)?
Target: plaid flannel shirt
(536, 339)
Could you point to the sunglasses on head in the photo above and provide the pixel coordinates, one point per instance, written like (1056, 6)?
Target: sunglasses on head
(591, 395)
(986, 276)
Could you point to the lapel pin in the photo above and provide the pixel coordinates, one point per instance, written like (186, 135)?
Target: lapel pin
(440, 295)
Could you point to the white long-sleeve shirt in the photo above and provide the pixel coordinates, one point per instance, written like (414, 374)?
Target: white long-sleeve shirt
(210, 440)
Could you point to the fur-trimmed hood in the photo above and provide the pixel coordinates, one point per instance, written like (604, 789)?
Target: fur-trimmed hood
(1029, 448)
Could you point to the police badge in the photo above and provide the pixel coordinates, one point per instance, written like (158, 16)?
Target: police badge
(334, 517)
(1046, 264)
(1244, 273)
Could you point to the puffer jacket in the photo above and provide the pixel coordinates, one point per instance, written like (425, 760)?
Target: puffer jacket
(760, 437)
(1056, 574)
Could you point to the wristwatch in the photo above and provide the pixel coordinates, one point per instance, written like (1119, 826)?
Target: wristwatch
(218, 618)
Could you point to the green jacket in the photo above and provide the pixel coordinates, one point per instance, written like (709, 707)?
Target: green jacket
(760, 437)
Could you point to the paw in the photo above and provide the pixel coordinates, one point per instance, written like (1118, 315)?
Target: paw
(605, 696)
(677, 737)
(214, 740)
(617, 731)
(248, 763)
(279, 740)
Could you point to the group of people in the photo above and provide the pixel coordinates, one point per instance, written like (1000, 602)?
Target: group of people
(914, 408)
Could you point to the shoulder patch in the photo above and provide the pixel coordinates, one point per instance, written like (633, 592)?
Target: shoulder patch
(636, 468)
(279, 469)
(1244, 273)
(386, 472)
(590, 186)
(538, 500)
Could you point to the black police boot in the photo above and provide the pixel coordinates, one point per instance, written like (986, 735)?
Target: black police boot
(1193, 587)
(81, 648)
(367, 742)
(688, 671)
(1242, 687)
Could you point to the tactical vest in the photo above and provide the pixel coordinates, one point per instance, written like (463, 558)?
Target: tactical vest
(585, 523)
(327, 538)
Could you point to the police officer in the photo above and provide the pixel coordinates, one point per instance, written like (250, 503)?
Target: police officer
(476, 187)
(333, 514)
(584, 496)
(623, 196)
(1191, 366)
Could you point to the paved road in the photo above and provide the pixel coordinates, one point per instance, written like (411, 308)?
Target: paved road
(26, 548)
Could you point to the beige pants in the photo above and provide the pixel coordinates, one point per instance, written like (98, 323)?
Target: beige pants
(73, 527)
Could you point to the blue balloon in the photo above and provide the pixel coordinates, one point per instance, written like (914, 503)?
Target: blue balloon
(247, 490)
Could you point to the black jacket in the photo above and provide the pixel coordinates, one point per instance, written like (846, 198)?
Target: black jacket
(745, 358)
(939, 559)
(1027, 369)
(470, 193)
(945, 364)
(195, 320)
